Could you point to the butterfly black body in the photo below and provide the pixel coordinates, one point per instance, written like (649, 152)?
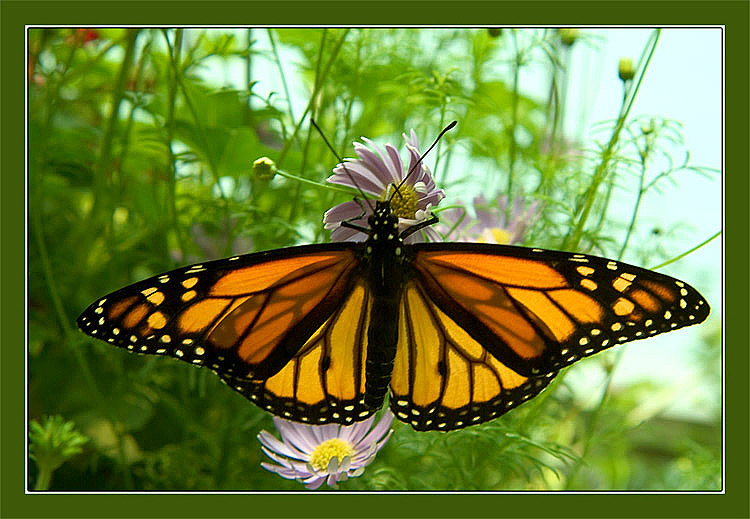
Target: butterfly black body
(383, 260)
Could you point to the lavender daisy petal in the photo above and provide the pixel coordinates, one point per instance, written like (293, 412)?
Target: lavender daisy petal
(347, 234)
(343, 211)
(372, 161)
(396, 167)
(293, 465)
(353, 449)
(376, 162)
(298, 436)
(331, 480)
(354, 433)
(281, 471)
(432, 197)
(275, 445)
(380, 429)
(314, 482)
(358, 176)
(325, 432)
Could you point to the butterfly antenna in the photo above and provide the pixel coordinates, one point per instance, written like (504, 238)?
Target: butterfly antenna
(341, 162)
(419, 161)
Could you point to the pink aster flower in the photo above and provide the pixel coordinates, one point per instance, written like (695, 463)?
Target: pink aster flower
(318, 453)
(492, 225)
(376, 173)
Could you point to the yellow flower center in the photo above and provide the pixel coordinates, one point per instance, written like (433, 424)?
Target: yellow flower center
(495, 235)
(323, 453)
(403, 202)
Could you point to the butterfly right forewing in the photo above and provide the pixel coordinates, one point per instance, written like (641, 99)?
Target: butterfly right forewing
(539, 310)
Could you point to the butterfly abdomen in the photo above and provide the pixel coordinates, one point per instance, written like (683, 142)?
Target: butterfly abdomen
(382, 337)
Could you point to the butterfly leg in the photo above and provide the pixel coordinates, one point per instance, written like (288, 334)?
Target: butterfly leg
(348, 223)
(421, 225)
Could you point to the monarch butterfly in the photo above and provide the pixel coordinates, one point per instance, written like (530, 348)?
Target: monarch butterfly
(456, 333)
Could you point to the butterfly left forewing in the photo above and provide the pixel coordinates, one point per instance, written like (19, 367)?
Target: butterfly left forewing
(244, 316)
(539, 310)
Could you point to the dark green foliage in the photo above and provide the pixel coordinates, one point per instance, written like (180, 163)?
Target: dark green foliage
(141, 150)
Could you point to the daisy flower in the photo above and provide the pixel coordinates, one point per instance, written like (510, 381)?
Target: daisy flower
(491, 224)
(376, 173)
(318, 453)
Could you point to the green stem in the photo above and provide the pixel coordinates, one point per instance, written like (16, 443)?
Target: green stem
(514, 123)
(212, 166)
(573, 239)
(306, 148)
(35, 216)
(248, 77)
(169, 124)
(638, 199)
(68, 333)
(605, 205)
(440, 142)
(131, 113)
(102, 166)
(44, 479)
(329, 187)
(319, 80)
(323, 75)
(352, 97)
(281, 73)
(701, 244)
(553, 106)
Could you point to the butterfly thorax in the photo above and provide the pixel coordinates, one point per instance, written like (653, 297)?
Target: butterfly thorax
(384, 250)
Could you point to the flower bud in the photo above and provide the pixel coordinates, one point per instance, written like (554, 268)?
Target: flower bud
(264, 169)
(625, 69)
(568, 36)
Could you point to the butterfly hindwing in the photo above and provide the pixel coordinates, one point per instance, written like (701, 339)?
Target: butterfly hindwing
(539, 310)
(245, 316)
(325, 381)
(444, 379)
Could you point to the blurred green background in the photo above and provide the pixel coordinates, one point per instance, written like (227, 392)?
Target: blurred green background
(141, 143)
